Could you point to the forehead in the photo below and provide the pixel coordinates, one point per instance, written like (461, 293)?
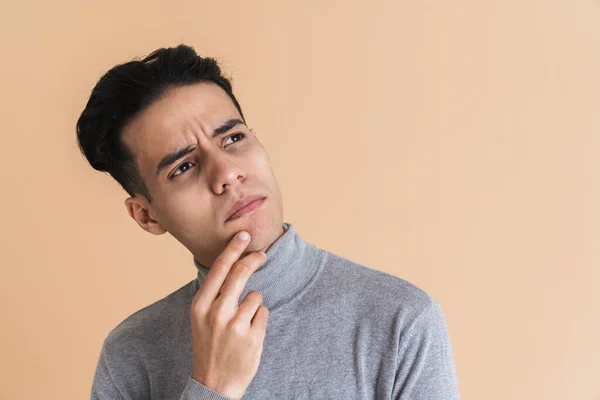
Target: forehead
(177, 119)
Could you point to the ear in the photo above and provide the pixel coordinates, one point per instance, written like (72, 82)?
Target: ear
(140, 211)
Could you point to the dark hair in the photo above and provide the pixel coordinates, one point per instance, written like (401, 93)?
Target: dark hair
(127, 89)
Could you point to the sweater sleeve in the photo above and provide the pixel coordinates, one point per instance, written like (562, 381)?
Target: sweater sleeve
(103, 387)
(194, 390)
(426, 369)
(131, 383)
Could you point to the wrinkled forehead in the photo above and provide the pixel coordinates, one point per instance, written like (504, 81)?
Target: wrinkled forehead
(175, 120)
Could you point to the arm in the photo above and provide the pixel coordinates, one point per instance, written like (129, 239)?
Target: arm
(426, 369)
(104, 386)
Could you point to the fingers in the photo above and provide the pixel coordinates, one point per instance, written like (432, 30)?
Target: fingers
(232, 336)
(238, 278)
(248, 307)
(251, 313)
(210, 287)
(259, 322)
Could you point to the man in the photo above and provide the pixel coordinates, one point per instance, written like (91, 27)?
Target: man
(269, 316)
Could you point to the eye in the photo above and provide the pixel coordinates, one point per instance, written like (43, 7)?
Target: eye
(180, 168)
(235, 135)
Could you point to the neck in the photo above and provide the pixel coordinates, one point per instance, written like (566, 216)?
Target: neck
(291, 264)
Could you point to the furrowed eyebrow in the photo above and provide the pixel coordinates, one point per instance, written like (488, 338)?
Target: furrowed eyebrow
(176, 154)
(172, 157)
(227, 125)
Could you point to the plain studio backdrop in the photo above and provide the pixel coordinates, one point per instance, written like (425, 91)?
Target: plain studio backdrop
(455, 144)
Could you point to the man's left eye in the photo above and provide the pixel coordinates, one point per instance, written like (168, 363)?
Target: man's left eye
(242, 135)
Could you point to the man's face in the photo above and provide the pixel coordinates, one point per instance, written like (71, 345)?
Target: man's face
(192, 195)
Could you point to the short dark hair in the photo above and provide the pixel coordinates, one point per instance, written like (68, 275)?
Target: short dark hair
(127, 89)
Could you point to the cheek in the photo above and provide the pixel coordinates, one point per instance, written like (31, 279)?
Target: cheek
(260, 164)
(263, 171)
(186, 211)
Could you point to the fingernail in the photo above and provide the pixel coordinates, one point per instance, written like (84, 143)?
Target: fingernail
(244, 235)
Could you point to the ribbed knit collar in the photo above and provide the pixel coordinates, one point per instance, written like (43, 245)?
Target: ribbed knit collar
(291, 265)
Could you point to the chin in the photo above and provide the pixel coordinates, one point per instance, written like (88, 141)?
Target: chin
(263, 230)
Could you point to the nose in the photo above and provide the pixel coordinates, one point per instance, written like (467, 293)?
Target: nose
(222, 171)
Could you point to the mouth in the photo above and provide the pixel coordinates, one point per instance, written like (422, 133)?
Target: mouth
(246, 207)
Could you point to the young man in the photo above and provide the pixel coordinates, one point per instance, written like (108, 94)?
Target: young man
(269, 316)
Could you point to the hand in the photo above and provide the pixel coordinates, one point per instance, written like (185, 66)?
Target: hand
(228, 339)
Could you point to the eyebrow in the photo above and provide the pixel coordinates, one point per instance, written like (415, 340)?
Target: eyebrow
(176, 154)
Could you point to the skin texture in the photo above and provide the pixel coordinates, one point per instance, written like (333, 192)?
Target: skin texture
(194, 204)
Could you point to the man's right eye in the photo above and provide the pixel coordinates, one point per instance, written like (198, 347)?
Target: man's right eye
(180, 168)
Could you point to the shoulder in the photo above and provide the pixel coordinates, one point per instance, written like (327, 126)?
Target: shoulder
(376, 288)
(151, 322)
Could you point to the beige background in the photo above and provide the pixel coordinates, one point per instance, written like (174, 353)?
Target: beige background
(452, 143)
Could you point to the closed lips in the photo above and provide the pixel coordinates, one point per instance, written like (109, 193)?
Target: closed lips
(242, 203)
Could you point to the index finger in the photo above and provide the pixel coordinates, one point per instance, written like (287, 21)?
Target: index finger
(210, 287)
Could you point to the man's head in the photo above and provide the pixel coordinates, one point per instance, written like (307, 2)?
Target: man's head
(169, 129)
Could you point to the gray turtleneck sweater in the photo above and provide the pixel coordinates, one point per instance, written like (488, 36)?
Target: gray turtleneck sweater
(336, 330)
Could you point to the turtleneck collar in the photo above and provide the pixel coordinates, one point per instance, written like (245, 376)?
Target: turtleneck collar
(291, 265)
